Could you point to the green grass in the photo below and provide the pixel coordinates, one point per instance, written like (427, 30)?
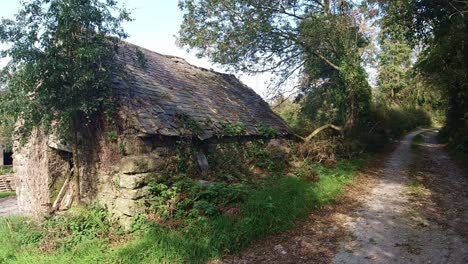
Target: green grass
(7, 194)
(271, 207)
(417, 141)
(6, 170)
(416, 188)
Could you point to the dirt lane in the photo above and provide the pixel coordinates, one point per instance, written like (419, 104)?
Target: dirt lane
(379, 219)
(392, 226)
(8, 207)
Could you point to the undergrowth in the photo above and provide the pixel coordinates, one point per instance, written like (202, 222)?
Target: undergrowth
(213, 220)
(7, 194)
(6, 170)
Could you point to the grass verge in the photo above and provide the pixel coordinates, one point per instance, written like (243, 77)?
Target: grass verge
(7, 194)
(270, 208)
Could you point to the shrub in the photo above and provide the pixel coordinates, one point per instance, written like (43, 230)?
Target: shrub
(77, 226)
(186, 198)
(390, 123)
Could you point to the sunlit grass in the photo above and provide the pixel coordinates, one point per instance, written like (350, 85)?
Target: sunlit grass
(416, 188)
(271, 207)
(7, 194)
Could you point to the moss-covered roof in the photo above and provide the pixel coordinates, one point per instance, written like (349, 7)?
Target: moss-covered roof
(165, 95)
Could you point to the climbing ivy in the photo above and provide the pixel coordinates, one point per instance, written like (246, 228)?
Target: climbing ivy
(60, 52)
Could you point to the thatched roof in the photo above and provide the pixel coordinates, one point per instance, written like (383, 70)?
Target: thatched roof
(165, 95)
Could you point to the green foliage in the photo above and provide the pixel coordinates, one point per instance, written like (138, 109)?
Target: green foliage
(140, 223)
(142, 60)
(184, 158)
(233, 129)
(268, 132)
(61, 58)
(395, 58)
(7, 194)
(82, 225)
(318, 43)
(19, 233)
(265, 209)
(273, 160)
(7, 128)
(290, 112)
(112, 135)
(29, 241)
(416, 188)
(190, 124)
(439, 29)
(122, 149)
(6, 170)
(305, 170)
(335, 90)
(270, 209)
(391, 123)
(186, 198)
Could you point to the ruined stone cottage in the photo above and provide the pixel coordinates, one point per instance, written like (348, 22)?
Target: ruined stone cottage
(160, 100)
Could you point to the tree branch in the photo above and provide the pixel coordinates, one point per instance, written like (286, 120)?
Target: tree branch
(331, 64)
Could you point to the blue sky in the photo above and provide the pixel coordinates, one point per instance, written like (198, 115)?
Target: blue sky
(155, 26)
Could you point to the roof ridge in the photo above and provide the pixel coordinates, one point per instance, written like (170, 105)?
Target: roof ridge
(177, 57)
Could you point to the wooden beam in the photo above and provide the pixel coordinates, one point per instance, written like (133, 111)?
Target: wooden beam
(60, 195)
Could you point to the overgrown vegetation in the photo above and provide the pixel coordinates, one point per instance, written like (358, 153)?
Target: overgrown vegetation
(7, 194)
(253, 188)
(60, 61)
(322, 48)
(439, 29)
(212, 220)
(4, 170)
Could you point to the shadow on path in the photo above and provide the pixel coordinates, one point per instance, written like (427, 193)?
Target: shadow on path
(385, 229)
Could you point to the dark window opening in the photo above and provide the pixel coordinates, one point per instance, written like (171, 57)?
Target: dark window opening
(8, 158)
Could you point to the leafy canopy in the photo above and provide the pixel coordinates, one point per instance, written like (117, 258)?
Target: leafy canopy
(60, 66)
(440, 29)
(317, 42)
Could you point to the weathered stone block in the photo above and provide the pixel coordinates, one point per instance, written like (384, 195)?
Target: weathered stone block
(126, 222)
(135, 146)
(164, 151)
(135, 194)
(132, 181)
(140, 164)
(126, 206)
(107, 200)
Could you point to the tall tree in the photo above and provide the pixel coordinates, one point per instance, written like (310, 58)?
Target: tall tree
(441, 29)
(60, 63)
(317, 41)
(395, 62)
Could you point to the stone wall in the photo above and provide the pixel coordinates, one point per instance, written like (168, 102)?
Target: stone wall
(31, 174)
(122, 188)
(112, 173)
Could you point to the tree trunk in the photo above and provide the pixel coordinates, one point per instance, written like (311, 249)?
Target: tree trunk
(76, 166)
(326, 7)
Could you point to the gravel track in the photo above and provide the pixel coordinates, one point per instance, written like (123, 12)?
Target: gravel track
(388, 228)
(8, 206)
